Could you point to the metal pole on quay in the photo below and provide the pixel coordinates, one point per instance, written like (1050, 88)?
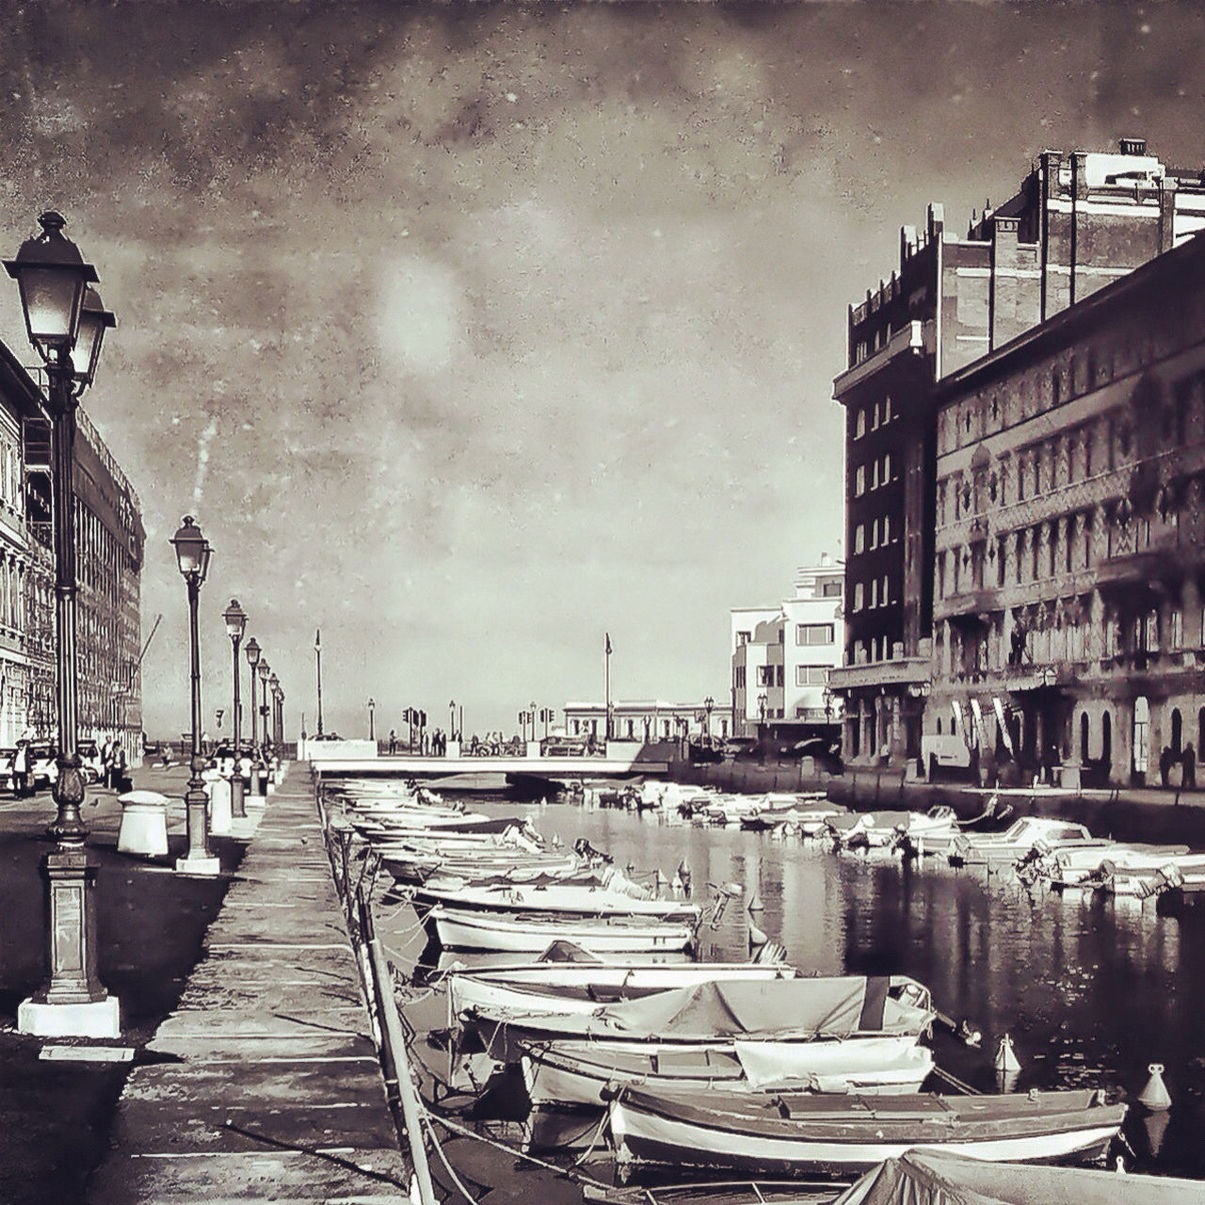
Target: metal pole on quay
(236, 623)
(66, 323)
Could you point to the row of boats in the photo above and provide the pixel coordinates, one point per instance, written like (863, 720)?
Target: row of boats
(750, 1066)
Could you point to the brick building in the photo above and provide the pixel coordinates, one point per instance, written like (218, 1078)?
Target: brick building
(1069, 567)
(1078, 222)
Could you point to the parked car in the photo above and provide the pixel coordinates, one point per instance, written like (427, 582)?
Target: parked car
(43, 768)
(740, 746)
(91, 766)
(563, 746)
(825, 751)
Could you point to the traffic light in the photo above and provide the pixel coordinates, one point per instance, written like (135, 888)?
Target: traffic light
(422, 719)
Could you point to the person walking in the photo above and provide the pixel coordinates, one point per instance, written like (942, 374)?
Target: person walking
(392, 742)
(21, 769)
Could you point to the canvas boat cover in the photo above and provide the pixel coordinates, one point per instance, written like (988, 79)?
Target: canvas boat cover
(921, 1177)
(773, 1008)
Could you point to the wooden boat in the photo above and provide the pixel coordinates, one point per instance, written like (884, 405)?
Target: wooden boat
(584, 1073)
(459, 929)
(560, 899)
(798, 1132)
(577, 987)
(790, 1013)
(927, 1175)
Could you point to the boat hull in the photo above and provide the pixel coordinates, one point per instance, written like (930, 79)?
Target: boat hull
(667, 1129)
(492, 932)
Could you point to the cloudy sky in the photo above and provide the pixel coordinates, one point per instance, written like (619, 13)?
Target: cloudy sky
(471, 333)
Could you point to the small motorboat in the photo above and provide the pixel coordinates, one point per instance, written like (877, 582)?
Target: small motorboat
(461, 929)
(978, 849)
(793, 1132)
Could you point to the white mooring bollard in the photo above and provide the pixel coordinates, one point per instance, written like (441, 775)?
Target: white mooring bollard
(1155, 1095)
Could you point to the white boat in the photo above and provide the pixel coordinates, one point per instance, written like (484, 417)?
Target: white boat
(561, 899)
(972, 849)
(1093, 868)
(577, 988)
(585, 1074)
(458, 929)
(800, 1012)
(798, 1132)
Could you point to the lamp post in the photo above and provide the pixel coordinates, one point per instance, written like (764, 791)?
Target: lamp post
(66, 322)
(708, 705)
(236, 623)
(318, 665)
(251, 652)
(192, 557)
(265, 737)
(277, 717)
(372, 731)
(762, 700)
(451, 719)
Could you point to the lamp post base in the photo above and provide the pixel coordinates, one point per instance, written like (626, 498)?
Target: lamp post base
(209, 867)
(91, 1019)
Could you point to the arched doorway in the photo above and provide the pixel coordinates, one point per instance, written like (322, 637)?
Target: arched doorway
(1177, 741)
(1142, 730)
(1106, 743)
(1083, 738)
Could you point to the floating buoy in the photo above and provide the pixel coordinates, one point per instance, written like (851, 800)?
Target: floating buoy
(1155, 1095)
(755, 904)
(675, 884)
(757, 937)
(1006, 1057)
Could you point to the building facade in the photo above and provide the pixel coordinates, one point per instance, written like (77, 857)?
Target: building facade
(1078, 222)
(109, 549)
(782, 657)
(1069, 569)
(647, 720)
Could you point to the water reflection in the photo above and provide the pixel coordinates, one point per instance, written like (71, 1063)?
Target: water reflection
(1090, 992)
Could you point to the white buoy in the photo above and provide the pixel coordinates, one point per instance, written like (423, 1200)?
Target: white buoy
(1155, 1095)
(755, 904)
(757, 937)
(675, 884)
(1006, 1057)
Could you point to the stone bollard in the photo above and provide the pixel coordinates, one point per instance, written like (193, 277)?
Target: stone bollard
(143, 828)
(221, 805)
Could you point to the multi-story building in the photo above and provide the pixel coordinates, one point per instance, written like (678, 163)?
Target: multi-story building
(782, 657)
(1078, 222)
(109, 548)
(1069, 564)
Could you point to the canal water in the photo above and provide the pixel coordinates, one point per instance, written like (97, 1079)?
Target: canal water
(1089, 992)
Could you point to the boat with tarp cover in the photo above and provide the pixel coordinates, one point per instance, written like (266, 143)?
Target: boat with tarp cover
(789, 1014)
(928, 1177)
(802, 1132)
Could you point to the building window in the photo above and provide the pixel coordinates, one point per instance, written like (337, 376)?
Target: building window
(886, 467)
(858, 598)
(830, 590)
(814, 633)
(743, 638)
(860, 425)
(874, 592)
(778, 675)
(811, 675)
(886, 528)
(885, 597)
(1176, 625)
(860, 480)
(738, 677)
(859, 538)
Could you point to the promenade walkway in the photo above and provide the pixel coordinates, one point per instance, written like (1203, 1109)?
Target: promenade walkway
(264, 1083)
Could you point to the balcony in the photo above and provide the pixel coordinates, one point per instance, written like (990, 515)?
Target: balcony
(908, 340)
(901, 671)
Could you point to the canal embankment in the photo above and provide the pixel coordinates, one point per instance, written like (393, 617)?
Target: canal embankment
(1152, 814)
(265, 1082)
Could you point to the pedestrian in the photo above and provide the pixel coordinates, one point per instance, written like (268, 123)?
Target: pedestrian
(1166, 757)
(121, 781)
(392, 742)
(1189, 764)
(106, 762)
(21, 769)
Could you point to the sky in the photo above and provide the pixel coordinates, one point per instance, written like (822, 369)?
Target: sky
(471, 333)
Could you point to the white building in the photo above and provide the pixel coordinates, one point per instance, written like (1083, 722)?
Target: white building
(648, 720)
(781, 656)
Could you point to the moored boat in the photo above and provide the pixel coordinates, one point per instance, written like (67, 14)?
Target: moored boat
(1018, 840)
(799, 1132)
(458, 929)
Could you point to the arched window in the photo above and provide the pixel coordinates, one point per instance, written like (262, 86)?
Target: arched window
(1177, 741)
(1106, 739)
(1083, 737)
(1201, 729)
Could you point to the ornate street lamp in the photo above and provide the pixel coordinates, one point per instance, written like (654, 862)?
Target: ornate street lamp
(451, 719)
(264, 670)
(192, 557)
(236, 624)
(277, 716)
(372, 707)
(251, 652)
(54, 282)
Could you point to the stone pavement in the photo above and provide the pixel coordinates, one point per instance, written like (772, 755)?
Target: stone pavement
(264, 1083)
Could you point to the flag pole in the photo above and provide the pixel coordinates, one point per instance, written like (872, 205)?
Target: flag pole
(607, 683)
